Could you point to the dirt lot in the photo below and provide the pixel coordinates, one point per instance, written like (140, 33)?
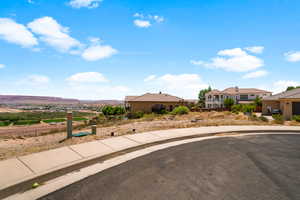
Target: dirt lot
(17, 146)
(9, 110)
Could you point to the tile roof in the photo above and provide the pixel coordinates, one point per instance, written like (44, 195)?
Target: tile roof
(158, 97)
(235, 90)
(291, 94)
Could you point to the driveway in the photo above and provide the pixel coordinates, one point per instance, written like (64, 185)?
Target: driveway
(238, 168)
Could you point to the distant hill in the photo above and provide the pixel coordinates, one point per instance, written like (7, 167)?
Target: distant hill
(19, 99)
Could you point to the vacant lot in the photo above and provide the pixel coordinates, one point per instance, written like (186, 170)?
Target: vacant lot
(10, 147)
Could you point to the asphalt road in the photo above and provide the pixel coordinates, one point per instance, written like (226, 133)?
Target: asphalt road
(249, 167)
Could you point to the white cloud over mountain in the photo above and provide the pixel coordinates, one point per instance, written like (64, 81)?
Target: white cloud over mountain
(87, 77)
(182, 85)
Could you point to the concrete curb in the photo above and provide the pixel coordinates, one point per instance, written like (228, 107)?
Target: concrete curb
(141, 141)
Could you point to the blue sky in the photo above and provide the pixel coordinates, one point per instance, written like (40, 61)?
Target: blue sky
(92, 49)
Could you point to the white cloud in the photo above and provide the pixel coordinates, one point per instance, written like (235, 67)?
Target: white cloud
(255, 49)
(282, 85)
(235, 60)
(16, 33)
(97, 52)
(138, 15)
(2, 66)
(87, 77)
(150, 78)
(34, 81)
(182, 85)
(292, 56)
(94, 85)
(84, 3)
(94, 40)
(53, 34)
(38, 79)
(158, 19)
(145, 21)
(142, 23)
(256, 74)
(30, 1)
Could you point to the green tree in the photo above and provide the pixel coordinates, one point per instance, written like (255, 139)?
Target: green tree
(291, 87)
(228, 102)
(201, 96)
(258, 101)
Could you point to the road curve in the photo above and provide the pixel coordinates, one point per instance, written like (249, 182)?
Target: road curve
(257, 167)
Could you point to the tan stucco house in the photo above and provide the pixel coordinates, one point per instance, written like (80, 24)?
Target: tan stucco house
(215, 98)
(287, 102)
(150, 101)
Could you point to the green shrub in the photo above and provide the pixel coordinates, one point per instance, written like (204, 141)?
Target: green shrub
(180, 110)
(278, 118)
(263, 118)
(54, 120)
(296, 118)
(79, 119)
(135, 115)
(228, 103)
(113, 110)
(27, 122)
(5, 123)
(237, 108)
(248, 108)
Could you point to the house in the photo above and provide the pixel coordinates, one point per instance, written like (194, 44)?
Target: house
(151, 102)
(287, 102)
(215, 98)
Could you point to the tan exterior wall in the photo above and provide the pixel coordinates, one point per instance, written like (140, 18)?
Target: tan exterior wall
(285, 105)
(272, 104)
(147, 106)
(288, 108)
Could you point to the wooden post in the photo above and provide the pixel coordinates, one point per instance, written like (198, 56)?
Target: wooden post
(69, 124)
(94, 129)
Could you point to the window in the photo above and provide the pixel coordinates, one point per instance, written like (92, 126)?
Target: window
(243, 97)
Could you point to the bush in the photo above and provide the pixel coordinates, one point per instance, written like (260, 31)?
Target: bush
(237, 108)
(278, 118)
(113, 110)
(79, 119)
(263, 118)
(5, 123)
(159, 109)
(228, 103)
(27, 122)
(296, 118)
(54, 120)
(248, 108)
(180, 110)
(135, 115)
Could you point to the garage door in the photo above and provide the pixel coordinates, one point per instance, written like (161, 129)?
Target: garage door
(296, 108)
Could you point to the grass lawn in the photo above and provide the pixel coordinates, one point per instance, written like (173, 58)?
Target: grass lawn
(54, 120)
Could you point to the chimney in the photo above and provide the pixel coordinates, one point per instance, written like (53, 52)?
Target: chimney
(236, 89)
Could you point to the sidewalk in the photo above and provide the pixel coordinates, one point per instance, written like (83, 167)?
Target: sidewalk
(18, 170)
